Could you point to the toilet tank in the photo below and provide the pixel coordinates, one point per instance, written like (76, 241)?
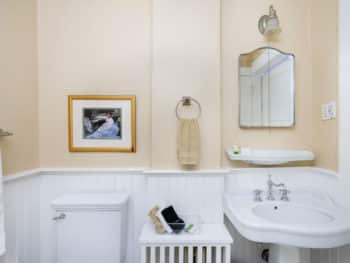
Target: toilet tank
(91, 227)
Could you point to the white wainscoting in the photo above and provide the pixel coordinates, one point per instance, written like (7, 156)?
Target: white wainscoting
(29, 224)
(28, 215)
(200, 195)
(54, 184)
(325, 256)
(22, 218)
(243, 250)
(344, 106)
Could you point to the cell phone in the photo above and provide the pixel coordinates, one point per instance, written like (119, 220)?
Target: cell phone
(173, 220)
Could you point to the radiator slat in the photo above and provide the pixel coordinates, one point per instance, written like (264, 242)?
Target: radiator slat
(143, 254)
(200, 254)
(186, 254)
(190, 254)
(218, 254)
(209, 248)
(227, 254)
(181, 254)
(171, 254)
(162, 254)
(153, 254)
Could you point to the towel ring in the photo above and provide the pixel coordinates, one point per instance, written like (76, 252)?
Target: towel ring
(187, 101)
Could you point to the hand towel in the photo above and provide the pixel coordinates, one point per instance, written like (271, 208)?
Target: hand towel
(188, 142)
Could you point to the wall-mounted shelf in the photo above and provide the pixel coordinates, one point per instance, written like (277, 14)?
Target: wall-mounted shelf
(5, 133)
(270, 157)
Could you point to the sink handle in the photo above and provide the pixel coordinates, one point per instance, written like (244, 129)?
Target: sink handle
(257, 195)
(284, 195)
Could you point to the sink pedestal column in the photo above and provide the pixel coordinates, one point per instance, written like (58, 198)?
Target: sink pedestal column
(287, 254)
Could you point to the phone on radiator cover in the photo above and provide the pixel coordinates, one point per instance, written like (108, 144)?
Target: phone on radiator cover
(173, 220)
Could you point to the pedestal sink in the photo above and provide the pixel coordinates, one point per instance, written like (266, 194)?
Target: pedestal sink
(307, 221)
(294, 214)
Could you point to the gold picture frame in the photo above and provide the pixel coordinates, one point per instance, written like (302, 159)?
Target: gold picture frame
(124, 129)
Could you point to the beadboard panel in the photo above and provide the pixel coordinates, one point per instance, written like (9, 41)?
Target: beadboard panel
(243, 250)
(186, 193)
(22, 220)
(343, 255)
(300, 178)
(325, 256)
(55, 185)
(30, 229)
(344, 106)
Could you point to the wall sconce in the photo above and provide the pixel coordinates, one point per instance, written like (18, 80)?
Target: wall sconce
(269, 24)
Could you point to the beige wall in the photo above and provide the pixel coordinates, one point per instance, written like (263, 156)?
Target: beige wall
(240, 35)
(186, 62)
(18, 84)
(105, 47)
(92, 47)
(324, 36)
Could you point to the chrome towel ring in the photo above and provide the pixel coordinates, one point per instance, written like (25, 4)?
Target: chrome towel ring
(187, 101)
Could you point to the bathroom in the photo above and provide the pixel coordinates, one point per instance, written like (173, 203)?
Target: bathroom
(164, 56)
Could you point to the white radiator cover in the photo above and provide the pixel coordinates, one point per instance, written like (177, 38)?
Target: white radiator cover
(211, 245)
(185, 254)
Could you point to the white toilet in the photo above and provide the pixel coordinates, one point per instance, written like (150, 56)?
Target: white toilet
(91, 228)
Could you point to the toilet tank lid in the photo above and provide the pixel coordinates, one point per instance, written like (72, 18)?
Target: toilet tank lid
(91, 201)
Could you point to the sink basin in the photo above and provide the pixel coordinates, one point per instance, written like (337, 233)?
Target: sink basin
(307, 221)
(294, 214)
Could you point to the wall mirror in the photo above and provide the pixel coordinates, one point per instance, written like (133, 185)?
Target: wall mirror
(267, 88)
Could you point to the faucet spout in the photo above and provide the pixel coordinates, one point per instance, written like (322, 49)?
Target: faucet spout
(270, 186)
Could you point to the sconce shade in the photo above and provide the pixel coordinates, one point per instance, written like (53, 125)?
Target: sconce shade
(269, 24)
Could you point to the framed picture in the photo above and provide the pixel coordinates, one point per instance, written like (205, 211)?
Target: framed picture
(102, 123)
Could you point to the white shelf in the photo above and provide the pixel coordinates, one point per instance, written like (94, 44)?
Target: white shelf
(270, 157)
(209, 234)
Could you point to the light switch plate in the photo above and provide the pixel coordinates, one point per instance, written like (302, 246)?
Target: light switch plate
(332, 110)
(329, 111)
(324, 112)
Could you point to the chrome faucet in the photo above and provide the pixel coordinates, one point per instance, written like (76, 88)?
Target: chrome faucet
(270, 186)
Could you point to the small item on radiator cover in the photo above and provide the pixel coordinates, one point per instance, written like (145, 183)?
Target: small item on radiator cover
(176, 223)
(155, 220)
